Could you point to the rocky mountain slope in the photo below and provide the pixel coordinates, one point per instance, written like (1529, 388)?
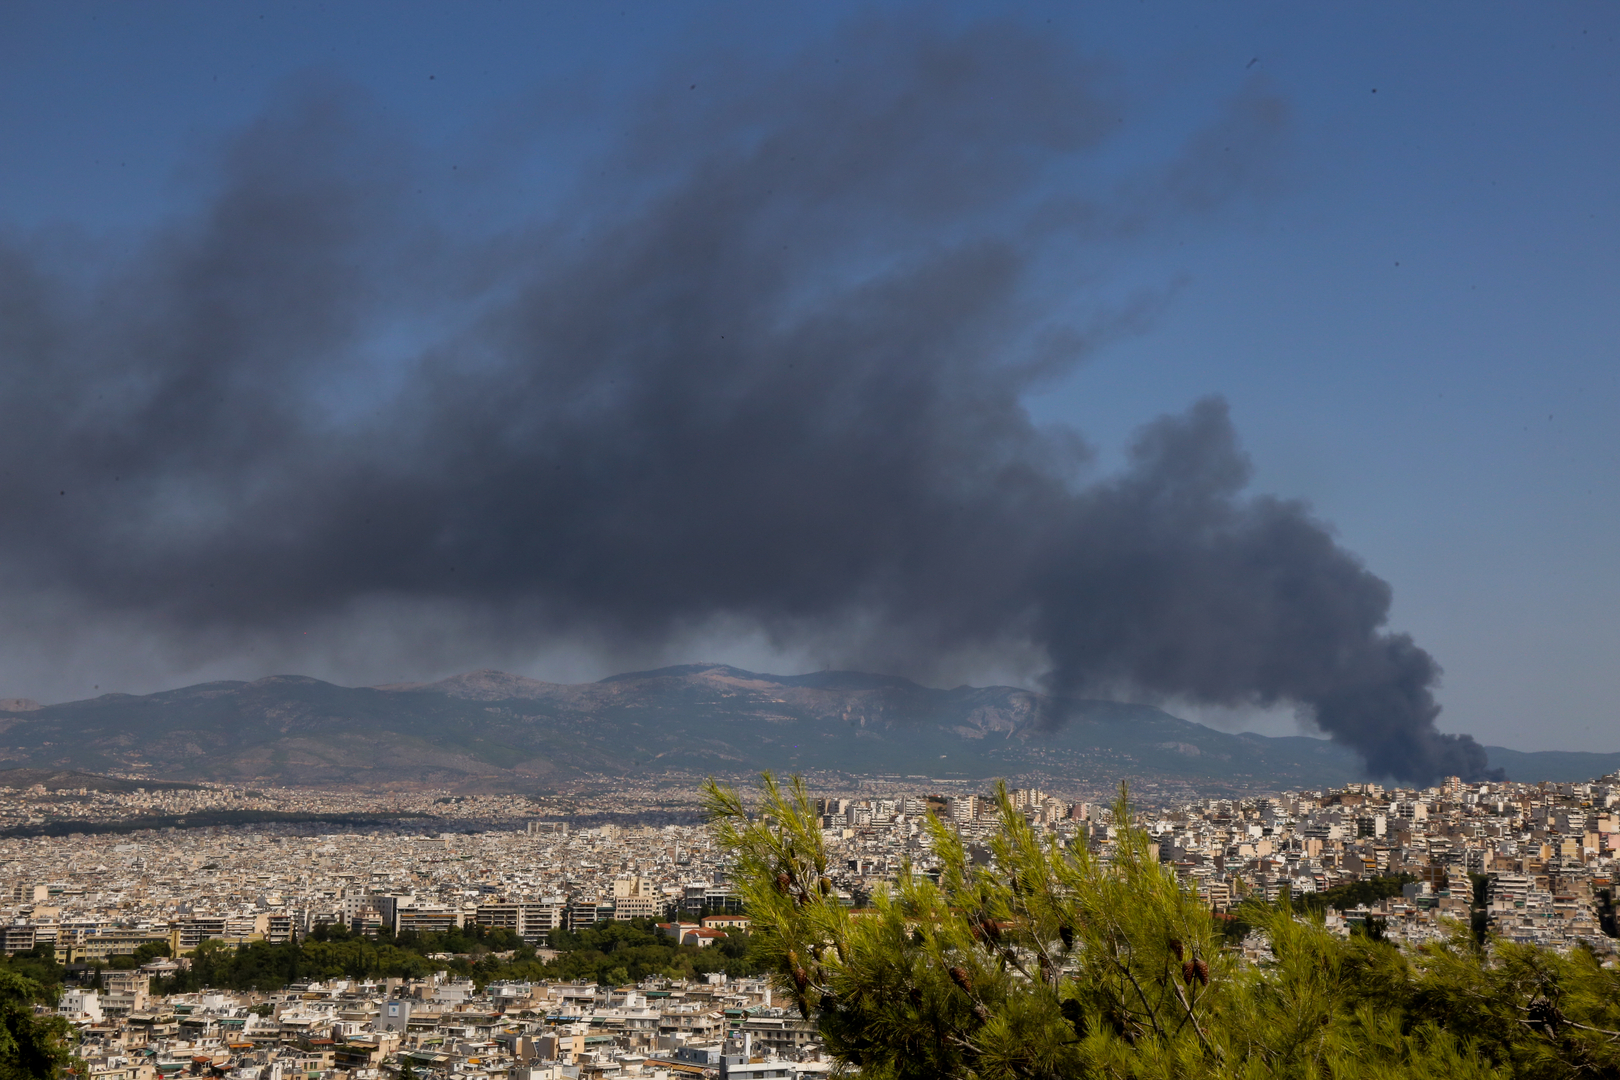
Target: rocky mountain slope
(489, 729)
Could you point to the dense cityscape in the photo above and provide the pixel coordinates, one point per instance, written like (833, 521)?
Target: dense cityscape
(729, 541)
(508, 880)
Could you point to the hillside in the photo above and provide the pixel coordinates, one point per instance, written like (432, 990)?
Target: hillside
(72, 779)
(492, 729)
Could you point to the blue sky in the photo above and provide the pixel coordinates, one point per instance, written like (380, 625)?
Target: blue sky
(1413, 311)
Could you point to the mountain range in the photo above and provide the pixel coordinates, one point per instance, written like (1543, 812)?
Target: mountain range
(488, 730)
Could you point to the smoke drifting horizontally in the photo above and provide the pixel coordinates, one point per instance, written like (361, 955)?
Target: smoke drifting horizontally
(766, 366)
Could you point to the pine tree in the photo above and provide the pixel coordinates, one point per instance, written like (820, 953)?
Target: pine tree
(1055, 961)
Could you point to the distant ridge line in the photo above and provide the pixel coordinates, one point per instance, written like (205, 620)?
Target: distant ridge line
(492, 730)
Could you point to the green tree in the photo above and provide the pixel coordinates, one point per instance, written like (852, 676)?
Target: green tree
(609, 952)
(38, 965)
(31, 1047)
(151, 950)
(1057, 961)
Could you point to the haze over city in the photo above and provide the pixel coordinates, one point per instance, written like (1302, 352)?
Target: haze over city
(1260, 368)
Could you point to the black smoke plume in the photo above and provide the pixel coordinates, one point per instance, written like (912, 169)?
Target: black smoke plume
(765, 365)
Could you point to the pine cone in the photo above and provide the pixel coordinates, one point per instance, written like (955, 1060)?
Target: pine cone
(782, 882)
(1066, 932)
(981, 1012)
(800, 979)
(1175, 947)
(1203, 972)
(915, 996)
(961, 978)
(1189, 972)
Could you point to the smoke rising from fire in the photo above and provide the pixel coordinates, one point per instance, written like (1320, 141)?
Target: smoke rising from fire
(765, 364)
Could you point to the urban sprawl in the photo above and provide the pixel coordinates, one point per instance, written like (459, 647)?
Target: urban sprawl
(1535, 861)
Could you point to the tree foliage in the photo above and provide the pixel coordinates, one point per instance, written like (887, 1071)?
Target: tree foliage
(38, 965)
(1354, 894)
(1056, 961)
(1251, 913)
(609, 952)
(31, 1047)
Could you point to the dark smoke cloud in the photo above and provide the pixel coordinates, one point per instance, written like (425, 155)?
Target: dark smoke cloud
(766, 366)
